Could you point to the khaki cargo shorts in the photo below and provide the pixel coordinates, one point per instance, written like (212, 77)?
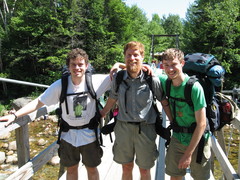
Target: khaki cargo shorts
(135, 141)
(198, 171)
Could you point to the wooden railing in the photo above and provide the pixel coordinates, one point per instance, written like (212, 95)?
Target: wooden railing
(27, 166)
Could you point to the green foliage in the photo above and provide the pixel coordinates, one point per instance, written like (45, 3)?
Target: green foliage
(213, 27)
(2, 110)
(155, 28)
(37, 35)
(174, 26)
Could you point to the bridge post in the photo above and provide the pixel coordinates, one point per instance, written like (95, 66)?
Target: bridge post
(22, 140)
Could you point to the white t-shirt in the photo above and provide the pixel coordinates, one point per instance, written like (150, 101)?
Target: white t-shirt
(81, 107)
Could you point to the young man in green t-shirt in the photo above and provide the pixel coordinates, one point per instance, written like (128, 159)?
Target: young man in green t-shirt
(182, 151)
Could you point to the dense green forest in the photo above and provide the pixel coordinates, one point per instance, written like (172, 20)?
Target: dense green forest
(35, 36)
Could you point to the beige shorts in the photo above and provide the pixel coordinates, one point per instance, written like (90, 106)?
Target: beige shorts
(131, 143)
(198, 171)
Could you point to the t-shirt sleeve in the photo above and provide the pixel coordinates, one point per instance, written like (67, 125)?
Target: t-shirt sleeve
(157, 88)
(113, 93)
(198, 96)
(101, 83)
(51, 95)
(163, 79)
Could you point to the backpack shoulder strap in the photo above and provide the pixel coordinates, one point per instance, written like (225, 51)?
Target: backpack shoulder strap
(149, 80)
(188, 90)
(64, 87)
(88, 78)
(168, 87)
(119, 79)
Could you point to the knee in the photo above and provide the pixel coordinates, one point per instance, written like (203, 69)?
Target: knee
(72, 169)
(144, 172)
(127, 167)
(92, 170)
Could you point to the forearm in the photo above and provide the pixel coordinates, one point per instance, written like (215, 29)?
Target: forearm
(198, 132)
(30, 107)
(118, 65)
(166, 108)
(109, 104)
(195, 140)
(121, 65)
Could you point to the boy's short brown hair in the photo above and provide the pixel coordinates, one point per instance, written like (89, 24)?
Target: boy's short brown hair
(172, 53)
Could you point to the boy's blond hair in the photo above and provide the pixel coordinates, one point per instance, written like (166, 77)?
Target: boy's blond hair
(134, 45)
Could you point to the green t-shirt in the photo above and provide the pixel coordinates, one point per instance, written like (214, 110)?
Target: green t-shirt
(185, 115)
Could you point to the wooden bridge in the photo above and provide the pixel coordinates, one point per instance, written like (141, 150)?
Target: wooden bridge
(108, 169)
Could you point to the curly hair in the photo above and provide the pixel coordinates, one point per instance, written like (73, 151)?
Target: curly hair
(74, 53)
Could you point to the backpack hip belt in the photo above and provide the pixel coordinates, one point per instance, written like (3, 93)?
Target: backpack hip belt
(181, 129)
(65, 126)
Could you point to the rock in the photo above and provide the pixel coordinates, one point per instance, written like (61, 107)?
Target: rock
(34, 151)
(2, 157)
(5, 145)
(233, 145)
(41, 142)
(44, 117)
(12, 159)
(31, 139)
(5, 136)
(55, 160)
(20, 102)
(4, 166)
(12, 146)
(53, 118)
(10, 153)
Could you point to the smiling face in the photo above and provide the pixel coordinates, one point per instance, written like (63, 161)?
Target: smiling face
(77, 62)
(134, 55)
(173, 68)
(77, 68)
(173, 62)
(133, 61)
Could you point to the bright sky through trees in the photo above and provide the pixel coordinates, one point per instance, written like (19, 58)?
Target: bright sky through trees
(161, 7)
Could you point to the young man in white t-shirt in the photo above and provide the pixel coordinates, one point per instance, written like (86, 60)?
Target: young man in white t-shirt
(81, 108)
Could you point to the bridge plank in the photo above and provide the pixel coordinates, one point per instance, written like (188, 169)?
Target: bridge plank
(28, 170)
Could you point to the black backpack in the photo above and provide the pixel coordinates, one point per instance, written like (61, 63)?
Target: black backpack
(212, 110)
(160, 130)
(94, 122)
(210, 74)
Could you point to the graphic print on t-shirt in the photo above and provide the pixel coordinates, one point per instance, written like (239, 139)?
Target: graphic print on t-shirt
(79, 105)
